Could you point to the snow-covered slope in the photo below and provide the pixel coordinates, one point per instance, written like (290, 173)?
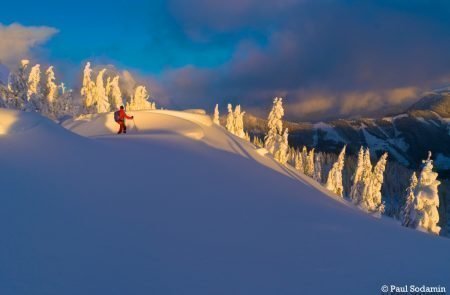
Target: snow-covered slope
(180, 206)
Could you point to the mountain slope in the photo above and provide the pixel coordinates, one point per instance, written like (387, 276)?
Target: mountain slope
(183, 207)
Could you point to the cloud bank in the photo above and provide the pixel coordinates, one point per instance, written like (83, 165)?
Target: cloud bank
(18, 40)
(329, 58)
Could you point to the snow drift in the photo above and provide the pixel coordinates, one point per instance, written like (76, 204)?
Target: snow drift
(183, 207)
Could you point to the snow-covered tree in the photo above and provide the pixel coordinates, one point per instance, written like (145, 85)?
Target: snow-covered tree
(334, 181)
(304, 157)
(51, 89)
(88, 89)
(357, 187)
(101, 99)
(275, 126)
(239, 122)
(230, 119)
(17, 85)
(139, 102)
(309, 165)
(283, 147)
(408, 207)
(425, 215)
(371, 199)
(318, 168)
(298, 164)
(216, 118)
(258, 142)
(114, 93)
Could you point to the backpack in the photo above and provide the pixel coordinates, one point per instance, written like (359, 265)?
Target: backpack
(117, 116)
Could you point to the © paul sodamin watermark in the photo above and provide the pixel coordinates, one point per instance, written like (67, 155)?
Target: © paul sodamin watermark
(412, 289)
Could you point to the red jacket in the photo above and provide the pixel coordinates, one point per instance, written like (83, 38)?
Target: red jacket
(123, 115)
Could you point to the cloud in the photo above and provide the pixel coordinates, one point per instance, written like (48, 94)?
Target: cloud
(328, 58)
(17, 41)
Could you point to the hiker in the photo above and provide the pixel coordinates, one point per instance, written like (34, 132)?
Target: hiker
(119, 117)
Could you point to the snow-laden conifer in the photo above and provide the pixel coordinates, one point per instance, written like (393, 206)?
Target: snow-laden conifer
(309, 165)
(114, 93)
(17, 85)
(139, 101)
(425, 216)
(334, 180)
(230, 119)
(372, 199)
(275, 126)
(357, 187)
(216, 118)
(283, 146)
(88, 89)
(101, 99)
(408, 207)
(239, 122)
(299, 162)
(318, 167)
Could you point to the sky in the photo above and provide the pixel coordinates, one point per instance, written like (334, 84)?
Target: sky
(326, 58)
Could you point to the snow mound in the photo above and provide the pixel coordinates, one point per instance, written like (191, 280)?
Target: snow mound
(15, 121)
(160, 211)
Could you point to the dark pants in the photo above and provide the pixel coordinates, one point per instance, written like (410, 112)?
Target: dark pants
(123, 127)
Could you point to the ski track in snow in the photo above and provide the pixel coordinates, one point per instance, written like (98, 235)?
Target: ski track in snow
(183, 207)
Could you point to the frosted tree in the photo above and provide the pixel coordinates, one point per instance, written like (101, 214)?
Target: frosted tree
(51, 93)
(114, 93)
(88, 89)
(425, 215)
(304, 157)
(318, 168)
(216, 118)
(275, 126)
(408, 207)
(298, 164)
(283, 147)
(334, 180)
(356, 189)
(17, 85)
(239, 122)
(309, 165)
(230, 119)
(258, 142)
(371, 198)
(139, 102)
(101, 99)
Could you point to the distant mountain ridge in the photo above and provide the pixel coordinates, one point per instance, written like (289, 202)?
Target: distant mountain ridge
(407, 137)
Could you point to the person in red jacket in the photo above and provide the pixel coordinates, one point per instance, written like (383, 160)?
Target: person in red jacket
(121, 121)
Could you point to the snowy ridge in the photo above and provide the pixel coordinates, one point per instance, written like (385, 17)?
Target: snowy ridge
(183, 207)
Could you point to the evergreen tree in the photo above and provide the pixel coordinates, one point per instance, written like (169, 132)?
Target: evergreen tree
(408, 207)
(239, 122)
(139, 102)
(318, 168)
(88, 89)
(372, 200)
(114, 93)
(425, 215)
(334, 181)
(230, 119)
(101, 99)
(216, 119)
(275, 126)
(305, 158)
(356, 190)
(309, 167)
(283, 147)
(17, 85)
(299, 162)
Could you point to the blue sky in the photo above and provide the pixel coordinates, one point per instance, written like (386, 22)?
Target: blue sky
(328, 58)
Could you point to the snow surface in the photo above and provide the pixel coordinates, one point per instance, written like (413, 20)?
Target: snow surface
(180, 206)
